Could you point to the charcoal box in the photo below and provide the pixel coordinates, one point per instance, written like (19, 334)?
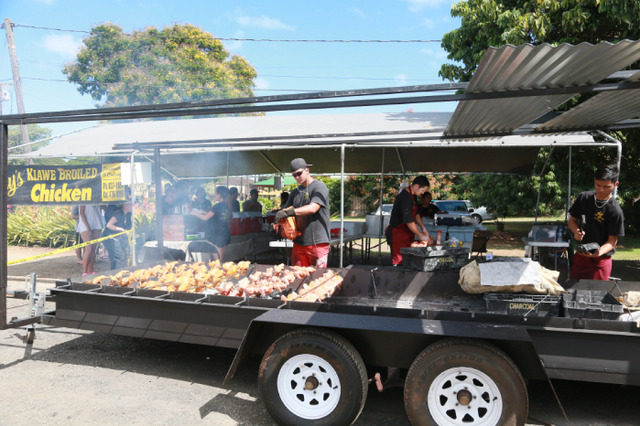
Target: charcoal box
(523, 304)
(428, 259)
(591, 304)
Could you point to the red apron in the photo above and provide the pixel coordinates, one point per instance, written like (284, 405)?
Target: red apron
(401, 236)
(591, 268)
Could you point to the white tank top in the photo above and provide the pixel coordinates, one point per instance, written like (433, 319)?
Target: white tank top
(94, 218)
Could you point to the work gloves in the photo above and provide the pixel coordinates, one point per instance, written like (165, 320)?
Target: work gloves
(284, 213)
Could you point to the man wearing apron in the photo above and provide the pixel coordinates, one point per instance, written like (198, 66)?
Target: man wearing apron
(405, 225)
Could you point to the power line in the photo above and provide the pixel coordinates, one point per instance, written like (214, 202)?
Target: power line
(48, 28)
(270, 40)
(272, 76)
(57, 80)
(307, 77)
(326, 40)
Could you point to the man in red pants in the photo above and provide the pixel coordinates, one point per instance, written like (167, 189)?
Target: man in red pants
(596, 217)
(309, 203)
(404, 224)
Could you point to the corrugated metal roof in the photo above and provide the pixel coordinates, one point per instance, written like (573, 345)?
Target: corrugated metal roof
(530, 67)
(602, 110)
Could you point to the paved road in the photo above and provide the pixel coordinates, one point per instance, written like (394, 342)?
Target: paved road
(75, 377)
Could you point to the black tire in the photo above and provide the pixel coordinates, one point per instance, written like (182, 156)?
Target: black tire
(338, 373)
(458, 381)
(477, 217)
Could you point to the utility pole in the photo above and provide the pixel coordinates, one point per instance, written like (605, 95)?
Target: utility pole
(4, 95)
(17, 84)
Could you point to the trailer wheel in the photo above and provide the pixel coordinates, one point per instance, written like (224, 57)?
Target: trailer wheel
(310, 377)
(463, 382)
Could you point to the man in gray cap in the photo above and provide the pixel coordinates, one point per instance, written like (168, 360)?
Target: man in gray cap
(309, 203)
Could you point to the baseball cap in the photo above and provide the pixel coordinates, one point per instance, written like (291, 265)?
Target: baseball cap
(299, 163)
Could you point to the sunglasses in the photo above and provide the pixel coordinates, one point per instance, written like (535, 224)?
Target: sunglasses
(297, 174)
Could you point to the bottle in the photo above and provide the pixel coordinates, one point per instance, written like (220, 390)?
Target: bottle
(439, 238)
(559, 233)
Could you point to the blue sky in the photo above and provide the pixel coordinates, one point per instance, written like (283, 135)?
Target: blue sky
(282, 67)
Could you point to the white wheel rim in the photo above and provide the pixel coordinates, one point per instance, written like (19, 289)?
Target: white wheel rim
(309, 386)
(464, 396)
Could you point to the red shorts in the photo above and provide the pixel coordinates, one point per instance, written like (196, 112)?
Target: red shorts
(591, 268)
(317, 255)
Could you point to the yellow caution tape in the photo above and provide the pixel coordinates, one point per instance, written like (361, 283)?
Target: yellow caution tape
(38, 256)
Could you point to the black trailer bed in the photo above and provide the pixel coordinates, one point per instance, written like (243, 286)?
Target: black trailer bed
(407, 308)
(221, 320)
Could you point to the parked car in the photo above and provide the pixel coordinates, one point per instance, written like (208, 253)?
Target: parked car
(484, 214)
(386, 209)
(465, 208)
(455, 207)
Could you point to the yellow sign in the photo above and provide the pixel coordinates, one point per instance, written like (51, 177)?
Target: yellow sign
(36, 185)
(112, 189)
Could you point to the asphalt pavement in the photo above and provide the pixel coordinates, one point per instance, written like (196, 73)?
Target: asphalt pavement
(70, 376)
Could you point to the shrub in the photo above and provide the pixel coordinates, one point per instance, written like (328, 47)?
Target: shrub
(53, 226)
(43, 226)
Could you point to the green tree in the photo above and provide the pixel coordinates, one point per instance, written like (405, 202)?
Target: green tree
(510, 195)
(36, 134)
(176, 64)
(486, 23)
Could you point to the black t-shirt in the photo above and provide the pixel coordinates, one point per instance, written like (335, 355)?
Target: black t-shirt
(600, 222)
(430, 211)
(314, 228)
(122, 220)
(217, 229)
(402, 211)
(204, 205)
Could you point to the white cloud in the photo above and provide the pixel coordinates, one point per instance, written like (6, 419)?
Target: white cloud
(401, 79)
(234, 45)
(437, 54)
(264, 22)
(261, 83)
(415, 5)
(429, 23)
(358, 12)
(62, 44)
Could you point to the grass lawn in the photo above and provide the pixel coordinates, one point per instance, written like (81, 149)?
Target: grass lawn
(517, 227)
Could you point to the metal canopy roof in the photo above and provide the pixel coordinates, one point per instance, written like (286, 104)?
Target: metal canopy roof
(510, 96)
(266, 144)
(600, 110)
(527, 68)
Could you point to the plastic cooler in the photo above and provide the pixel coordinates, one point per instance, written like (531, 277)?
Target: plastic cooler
(237, 226)
(462, 233)
(433, 231)
(256, 224)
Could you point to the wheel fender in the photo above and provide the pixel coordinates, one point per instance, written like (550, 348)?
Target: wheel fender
(246, 347)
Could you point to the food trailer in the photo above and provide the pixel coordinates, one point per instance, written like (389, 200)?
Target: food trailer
(327, 336)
